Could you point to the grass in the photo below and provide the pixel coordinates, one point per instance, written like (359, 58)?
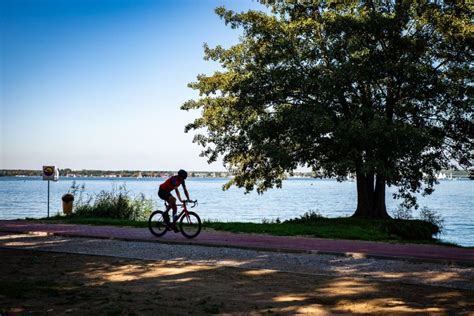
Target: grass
(411, 231)
(387, 230)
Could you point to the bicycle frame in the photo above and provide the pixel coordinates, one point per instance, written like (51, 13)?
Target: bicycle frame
(184, 211)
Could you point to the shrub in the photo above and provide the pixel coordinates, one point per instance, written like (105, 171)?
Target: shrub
(117, 203)
(78, 192)
(432, 217)
(401, 229)
(271, 221)
(308, 217)
(428, 225)
(411, 229)
(402, 212)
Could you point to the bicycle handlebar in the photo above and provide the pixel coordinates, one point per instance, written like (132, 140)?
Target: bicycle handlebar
(195, 202)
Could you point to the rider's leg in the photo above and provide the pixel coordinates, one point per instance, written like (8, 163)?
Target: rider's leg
(172, 204)
(166, 197)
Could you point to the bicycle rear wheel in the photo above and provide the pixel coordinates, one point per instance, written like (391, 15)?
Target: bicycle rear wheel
(157, 224)
(190, 225)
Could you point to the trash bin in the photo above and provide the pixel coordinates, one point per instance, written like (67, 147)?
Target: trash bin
(68, 200)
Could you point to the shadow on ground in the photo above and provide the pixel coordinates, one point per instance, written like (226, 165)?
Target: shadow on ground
(44, 282)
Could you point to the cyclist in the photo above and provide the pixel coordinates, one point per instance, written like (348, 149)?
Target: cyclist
(172, 183)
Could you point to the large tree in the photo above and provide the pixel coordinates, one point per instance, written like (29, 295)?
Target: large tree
(381, 89)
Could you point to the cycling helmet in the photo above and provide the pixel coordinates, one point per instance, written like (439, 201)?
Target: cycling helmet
(182, 173)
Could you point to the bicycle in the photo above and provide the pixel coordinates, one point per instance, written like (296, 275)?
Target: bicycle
(189, 222)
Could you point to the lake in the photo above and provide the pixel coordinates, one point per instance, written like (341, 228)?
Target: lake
(27, 197)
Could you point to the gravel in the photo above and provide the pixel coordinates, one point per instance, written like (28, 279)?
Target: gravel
(432, 274)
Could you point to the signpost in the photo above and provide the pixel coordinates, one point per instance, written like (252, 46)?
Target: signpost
(50, 173)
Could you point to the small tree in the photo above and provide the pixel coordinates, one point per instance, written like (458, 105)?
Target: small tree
(382, 89)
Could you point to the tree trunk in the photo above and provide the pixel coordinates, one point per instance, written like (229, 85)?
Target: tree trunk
(379, 207)
(370, 197)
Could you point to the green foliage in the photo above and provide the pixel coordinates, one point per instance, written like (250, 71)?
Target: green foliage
(411, 229)
(375, 88)
(310, 216)
(116, 204)
(313, 224)
(403, 213)
(78, 191)
(271, 221)
(432, 217)
(426, 215)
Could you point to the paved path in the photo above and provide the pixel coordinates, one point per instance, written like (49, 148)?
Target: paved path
(256, 242)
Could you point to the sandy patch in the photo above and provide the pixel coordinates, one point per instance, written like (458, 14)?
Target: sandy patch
(58, 283)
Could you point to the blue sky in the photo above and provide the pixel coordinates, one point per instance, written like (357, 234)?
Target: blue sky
(96, 84)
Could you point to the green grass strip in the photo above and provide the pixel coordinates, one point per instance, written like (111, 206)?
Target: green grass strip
(387, 230)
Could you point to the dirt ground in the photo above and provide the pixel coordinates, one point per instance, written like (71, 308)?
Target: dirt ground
(36, 282)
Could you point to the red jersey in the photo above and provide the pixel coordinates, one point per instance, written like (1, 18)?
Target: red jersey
(172, 183)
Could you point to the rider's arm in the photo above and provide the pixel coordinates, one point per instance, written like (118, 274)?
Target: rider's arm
(178, 195)
(186, 192)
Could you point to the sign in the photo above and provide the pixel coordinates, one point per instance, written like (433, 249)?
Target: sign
(50, 173)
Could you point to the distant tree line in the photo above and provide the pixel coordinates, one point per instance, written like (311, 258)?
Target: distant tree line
(157, 173)
(110, 173)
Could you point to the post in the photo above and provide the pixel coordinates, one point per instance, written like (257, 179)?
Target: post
(50, 173)
(48, 198)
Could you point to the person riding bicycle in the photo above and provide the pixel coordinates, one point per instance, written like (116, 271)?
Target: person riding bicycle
(172, 183)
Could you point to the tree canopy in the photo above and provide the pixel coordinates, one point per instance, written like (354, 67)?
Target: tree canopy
(382, 89)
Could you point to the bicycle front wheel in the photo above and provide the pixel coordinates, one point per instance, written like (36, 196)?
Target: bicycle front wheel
(190, 225)
(157, 224)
